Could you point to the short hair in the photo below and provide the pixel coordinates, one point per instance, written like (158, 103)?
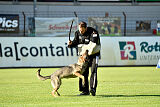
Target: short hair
(83, 24)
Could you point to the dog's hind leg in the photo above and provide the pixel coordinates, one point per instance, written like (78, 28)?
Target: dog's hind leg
(58, 85)
(55, 84)
(53, 93)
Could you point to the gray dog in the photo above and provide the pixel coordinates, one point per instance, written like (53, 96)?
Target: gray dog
(71, 71)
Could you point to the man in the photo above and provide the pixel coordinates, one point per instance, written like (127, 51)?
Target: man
(84, 36)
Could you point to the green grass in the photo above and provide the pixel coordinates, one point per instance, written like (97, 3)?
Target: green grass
(117, 86)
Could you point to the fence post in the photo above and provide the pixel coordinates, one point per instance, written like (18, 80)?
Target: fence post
(24, 30)
(124, 23)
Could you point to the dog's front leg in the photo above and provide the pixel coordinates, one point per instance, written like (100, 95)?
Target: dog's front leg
(80, 76)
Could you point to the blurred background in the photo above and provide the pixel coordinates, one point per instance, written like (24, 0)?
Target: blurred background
(35, 32)
(134, 17)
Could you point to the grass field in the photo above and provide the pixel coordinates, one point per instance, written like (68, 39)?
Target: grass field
(117, 86)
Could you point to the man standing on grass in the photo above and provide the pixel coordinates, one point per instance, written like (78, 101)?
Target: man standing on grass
(88, 36)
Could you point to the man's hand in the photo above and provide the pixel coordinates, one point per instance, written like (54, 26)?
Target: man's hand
(69, 43)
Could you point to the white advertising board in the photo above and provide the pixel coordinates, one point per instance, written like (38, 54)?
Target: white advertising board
(55, 26)
(35, 51)
(53, 51)
(130, 50)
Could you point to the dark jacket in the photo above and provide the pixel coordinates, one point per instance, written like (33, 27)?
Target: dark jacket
(86, 38)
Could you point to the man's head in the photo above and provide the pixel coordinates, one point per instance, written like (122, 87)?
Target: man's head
(82, 27)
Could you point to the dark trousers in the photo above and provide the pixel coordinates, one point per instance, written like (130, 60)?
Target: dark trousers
(93, 79)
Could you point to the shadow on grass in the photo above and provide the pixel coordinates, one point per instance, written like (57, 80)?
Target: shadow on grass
(129, 95)
(114, 96)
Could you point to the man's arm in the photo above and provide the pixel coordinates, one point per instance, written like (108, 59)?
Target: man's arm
(75, 41)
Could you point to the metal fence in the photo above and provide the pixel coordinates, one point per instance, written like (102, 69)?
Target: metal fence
(128, 20)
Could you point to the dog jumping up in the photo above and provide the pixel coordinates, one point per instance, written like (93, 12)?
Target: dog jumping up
(71, 71)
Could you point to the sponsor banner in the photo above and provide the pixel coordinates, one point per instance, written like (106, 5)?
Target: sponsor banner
(130, 50)
(143, 26)
(49, 51)
(55, 26)
(106, 26)
(35, 51)
(9, 23)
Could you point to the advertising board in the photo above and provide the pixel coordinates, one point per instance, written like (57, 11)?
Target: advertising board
(53, 51)
(9, 23)
(55, 26)
(106, 26)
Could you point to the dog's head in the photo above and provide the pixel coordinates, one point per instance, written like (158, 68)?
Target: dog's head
(83, 58)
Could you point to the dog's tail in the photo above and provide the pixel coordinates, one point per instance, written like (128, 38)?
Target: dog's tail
(42, 77)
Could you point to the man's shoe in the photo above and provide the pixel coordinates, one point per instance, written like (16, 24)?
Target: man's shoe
(93, 92)
(83, 93)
